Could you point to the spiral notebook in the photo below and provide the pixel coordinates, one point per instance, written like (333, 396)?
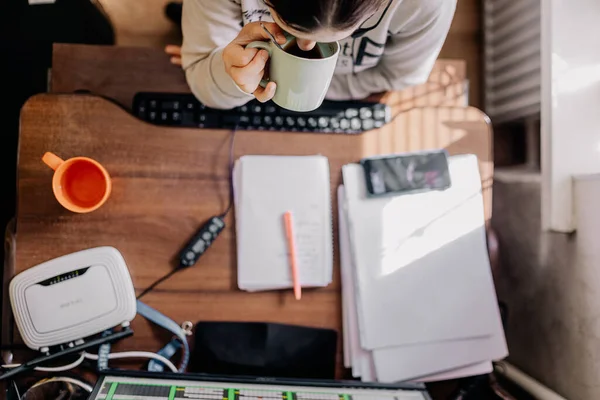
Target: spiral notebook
(265, 187)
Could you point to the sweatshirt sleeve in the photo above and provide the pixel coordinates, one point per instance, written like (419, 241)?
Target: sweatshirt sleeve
(409, 54)
(208, 26)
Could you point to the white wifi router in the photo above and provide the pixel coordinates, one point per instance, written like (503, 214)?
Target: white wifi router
(72, 297)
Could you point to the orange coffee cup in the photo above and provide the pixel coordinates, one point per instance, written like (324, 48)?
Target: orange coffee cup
(80, 184)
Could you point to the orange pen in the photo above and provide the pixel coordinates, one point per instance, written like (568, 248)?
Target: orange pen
(291, 239)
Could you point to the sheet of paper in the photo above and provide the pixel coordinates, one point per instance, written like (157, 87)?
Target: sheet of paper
(356, 352)
(368, 368)
(408, 362)
(265, 188)
(470, 370)
(422, 268)
(344, 260)
(433, 358)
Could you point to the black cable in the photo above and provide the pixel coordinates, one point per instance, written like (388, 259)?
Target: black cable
(223, 215)
(30, 365)
(158, 282)
(231, 165)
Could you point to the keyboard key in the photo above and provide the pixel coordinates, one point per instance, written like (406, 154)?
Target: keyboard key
(231, 120)
(355, 124)
(301, 122)
(344, 123)
(256, 108)
(152, 116)
(368, 124)
(188, 119)
(379, 114)
(244, 108)
(279, 120)
(170, 105)
(270, 109)
(209, 121)
(366, 113)
(141, 108)
(256, 120)
(378, 124)
(334, 123)
(176, 116)
(153, 104)
(312, 122)
(268, 120)
(351, 113)
(189, 106)
(290, 122)
(323, 122)
(244, 120)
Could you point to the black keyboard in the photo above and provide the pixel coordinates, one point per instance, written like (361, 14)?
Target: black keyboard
(173, 109)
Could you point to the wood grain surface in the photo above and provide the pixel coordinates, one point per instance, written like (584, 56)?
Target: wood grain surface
(114, 71)
(120, 72)
(168, 181)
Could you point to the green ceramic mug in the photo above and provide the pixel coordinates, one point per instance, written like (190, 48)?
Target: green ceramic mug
(301, 82)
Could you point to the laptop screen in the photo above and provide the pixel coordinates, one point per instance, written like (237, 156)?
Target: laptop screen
(111, 387)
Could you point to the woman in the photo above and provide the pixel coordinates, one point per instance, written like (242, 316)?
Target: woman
(385, 44)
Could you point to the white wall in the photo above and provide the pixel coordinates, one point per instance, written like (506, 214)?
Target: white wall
(551, 284)
(570, 104)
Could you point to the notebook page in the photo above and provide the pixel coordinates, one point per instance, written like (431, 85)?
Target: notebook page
(237, 182)
(267, 187)
(252, 287)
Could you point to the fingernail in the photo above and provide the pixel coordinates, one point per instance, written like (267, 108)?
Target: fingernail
(280, 37)
(264, 55)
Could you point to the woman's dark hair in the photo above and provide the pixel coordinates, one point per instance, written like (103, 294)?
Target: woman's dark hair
(311, 15)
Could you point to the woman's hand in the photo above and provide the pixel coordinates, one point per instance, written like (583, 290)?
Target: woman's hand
(247, 66)
(175, 53)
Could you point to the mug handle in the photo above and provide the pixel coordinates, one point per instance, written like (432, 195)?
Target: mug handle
(264, 46)
(52, 160)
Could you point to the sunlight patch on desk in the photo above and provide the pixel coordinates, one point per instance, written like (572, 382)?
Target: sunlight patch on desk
(421, 128)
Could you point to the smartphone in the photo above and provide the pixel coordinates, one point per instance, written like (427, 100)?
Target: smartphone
(407, 173)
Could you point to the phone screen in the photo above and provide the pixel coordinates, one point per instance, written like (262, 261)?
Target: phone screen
(407, 173)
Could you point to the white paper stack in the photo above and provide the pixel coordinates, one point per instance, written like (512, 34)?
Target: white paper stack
(265, 187)
(418, 296)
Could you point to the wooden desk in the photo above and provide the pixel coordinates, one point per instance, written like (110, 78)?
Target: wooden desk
(120, 72)
(169, 181)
